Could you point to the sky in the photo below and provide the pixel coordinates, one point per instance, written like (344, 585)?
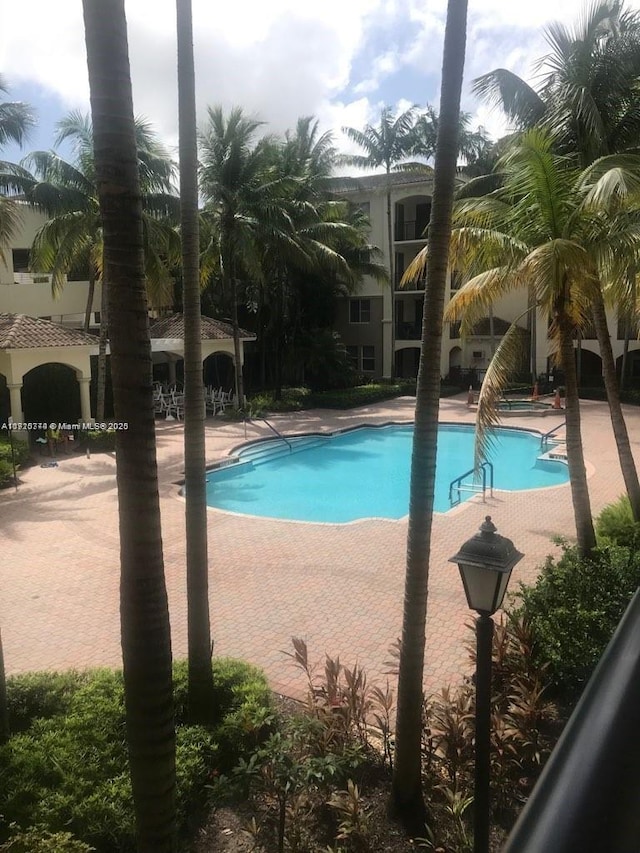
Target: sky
(339, 60)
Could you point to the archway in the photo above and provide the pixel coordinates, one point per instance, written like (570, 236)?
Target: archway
(50, 392)
(407, 362)
(218, 371)
(5, 400)
(590, 367)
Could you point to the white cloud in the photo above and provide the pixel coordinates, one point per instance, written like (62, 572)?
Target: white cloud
(280, 58)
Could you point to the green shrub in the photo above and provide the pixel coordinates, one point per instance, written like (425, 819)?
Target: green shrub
(39, 840)
(615, 525)
(574, 608)
(20, 455)
(6, 474)
(66, 769)
(99, 440)
(40, 694)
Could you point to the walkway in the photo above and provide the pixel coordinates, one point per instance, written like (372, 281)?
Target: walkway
(338, 586)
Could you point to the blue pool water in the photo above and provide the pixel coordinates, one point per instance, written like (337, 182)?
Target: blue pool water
(364, 473)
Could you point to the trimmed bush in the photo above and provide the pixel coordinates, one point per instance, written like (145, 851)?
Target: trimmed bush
(573, 609)
(65, 768)
(99, 440)
(615, 525)
(38, 840)
(21, 453)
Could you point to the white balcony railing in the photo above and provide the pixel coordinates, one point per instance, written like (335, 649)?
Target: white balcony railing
(32, 278)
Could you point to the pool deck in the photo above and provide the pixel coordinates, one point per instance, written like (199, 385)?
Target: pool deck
(340, 587)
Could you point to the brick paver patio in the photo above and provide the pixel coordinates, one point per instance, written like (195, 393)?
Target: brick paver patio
(338, 586)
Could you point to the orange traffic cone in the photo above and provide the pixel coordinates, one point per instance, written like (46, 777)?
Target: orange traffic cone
(557, 403)
(470, 396)
(536, 392)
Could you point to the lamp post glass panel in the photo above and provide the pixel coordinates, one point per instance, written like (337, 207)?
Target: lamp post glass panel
(485, 562)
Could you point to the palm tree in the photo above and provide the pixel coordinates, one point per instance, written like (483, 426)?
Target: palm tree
(242, 204)
(201, 696)
(588, 96)
(146, 637)
(472, 144)
(72, 237)
(16, 120)
(530, 233)
(390, 144)
(407, 792)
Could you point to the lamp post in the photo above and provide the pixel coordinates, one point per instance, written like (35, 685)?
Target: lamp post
(485, 562)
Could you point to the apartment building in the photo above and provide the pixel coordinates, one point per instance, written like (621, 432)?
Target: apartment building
(364, 319)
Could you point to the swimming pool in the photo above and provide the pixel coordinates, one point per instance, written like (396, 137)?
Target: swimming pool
(364, 473)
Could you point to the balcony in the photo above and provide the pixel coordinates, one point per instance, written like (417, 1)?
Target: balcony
(408, 331)
(418, 285)
(412, 229)
(32, 278)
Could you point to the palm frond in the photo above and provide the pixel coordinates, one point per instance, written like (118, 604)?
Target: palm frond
(504, 89)
(502, 369)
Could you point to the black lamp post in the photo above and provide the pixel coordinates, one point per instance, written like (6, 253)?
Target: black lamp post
(485, 562)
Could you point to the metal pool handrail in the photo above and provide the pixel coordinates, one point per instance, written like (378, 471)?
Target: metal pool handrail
(273, 430)
(484, 467)
(544, 438)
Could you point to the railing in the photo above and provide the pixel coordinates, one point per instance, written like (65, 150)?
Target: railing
(457, 485)
(410, 230)
(587, 796)
(32, 278)
(545, 437)
(273, 430)
(408, 331)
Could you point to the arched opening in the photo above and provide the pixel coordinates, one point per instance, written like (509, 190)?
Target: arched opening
(168, 368)
(411, 218)
(632, 369)
(218, 371)
(589, 365)
(407, 362)
(50, 392)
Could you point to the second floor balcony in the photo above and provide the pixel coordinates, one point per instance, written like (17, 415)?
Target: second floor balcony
(410, 230)
(408, 331)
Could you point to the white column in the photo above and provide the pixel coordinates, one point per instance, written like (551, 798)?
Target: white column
(85, 399)
(16, 402)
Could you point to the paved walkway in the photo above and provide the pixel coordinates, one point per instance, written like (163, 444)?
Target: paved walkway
(338, 586)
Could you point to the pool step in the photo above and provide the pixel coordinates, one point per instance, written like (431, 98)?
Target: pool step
(274, 449)
(557, 452)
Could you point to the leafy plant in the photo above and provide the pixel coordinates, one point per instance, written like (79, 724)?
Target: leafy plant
(353, 826)
(573, 610)
(39, 840)
(616, 526)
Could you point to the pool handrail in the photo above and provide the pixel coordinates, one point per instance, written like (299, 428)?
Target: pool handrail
(273, 430)
(544, 438)
(482, 468)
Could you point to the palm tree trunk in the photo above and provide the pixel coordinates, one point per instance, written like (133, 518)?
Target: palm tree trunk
(101, 382)
(144, 613)
(201, 692)
(89, 308)
(575, 454)
(627, 463)
(237, 357)
(4, 708)
(407, 788)
(631, 314)
(392, 273)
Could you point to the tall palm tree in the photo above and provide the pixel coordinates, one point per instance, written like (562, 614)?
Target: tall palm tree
(242, 204)
(16, 120)
(588, 96)
(72, 236)
(530, 233)
(472, 144)
(390, 144)
(201, 696)
(407, 791)
(146, 638)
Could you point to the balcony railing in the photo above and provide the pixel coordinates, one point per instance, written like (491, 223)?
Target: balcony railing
(32, 278)
(415, 285)
(408, 331)
(410, 230)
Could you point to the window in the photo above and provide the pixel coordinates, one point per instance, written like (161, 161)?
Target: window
(456, 280)
(20, 260)
(362, 358)
(368, 359)
(360, 311)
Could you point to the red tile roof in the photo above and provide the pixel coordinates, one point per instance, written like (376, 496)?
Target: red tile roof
(173, 328)
(18, 331)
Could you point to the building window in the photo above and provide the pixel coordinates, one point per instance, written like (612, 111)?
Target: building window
(360, 311)
(20, 260)
(368, 359)
(362, 358)
(456, 280)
